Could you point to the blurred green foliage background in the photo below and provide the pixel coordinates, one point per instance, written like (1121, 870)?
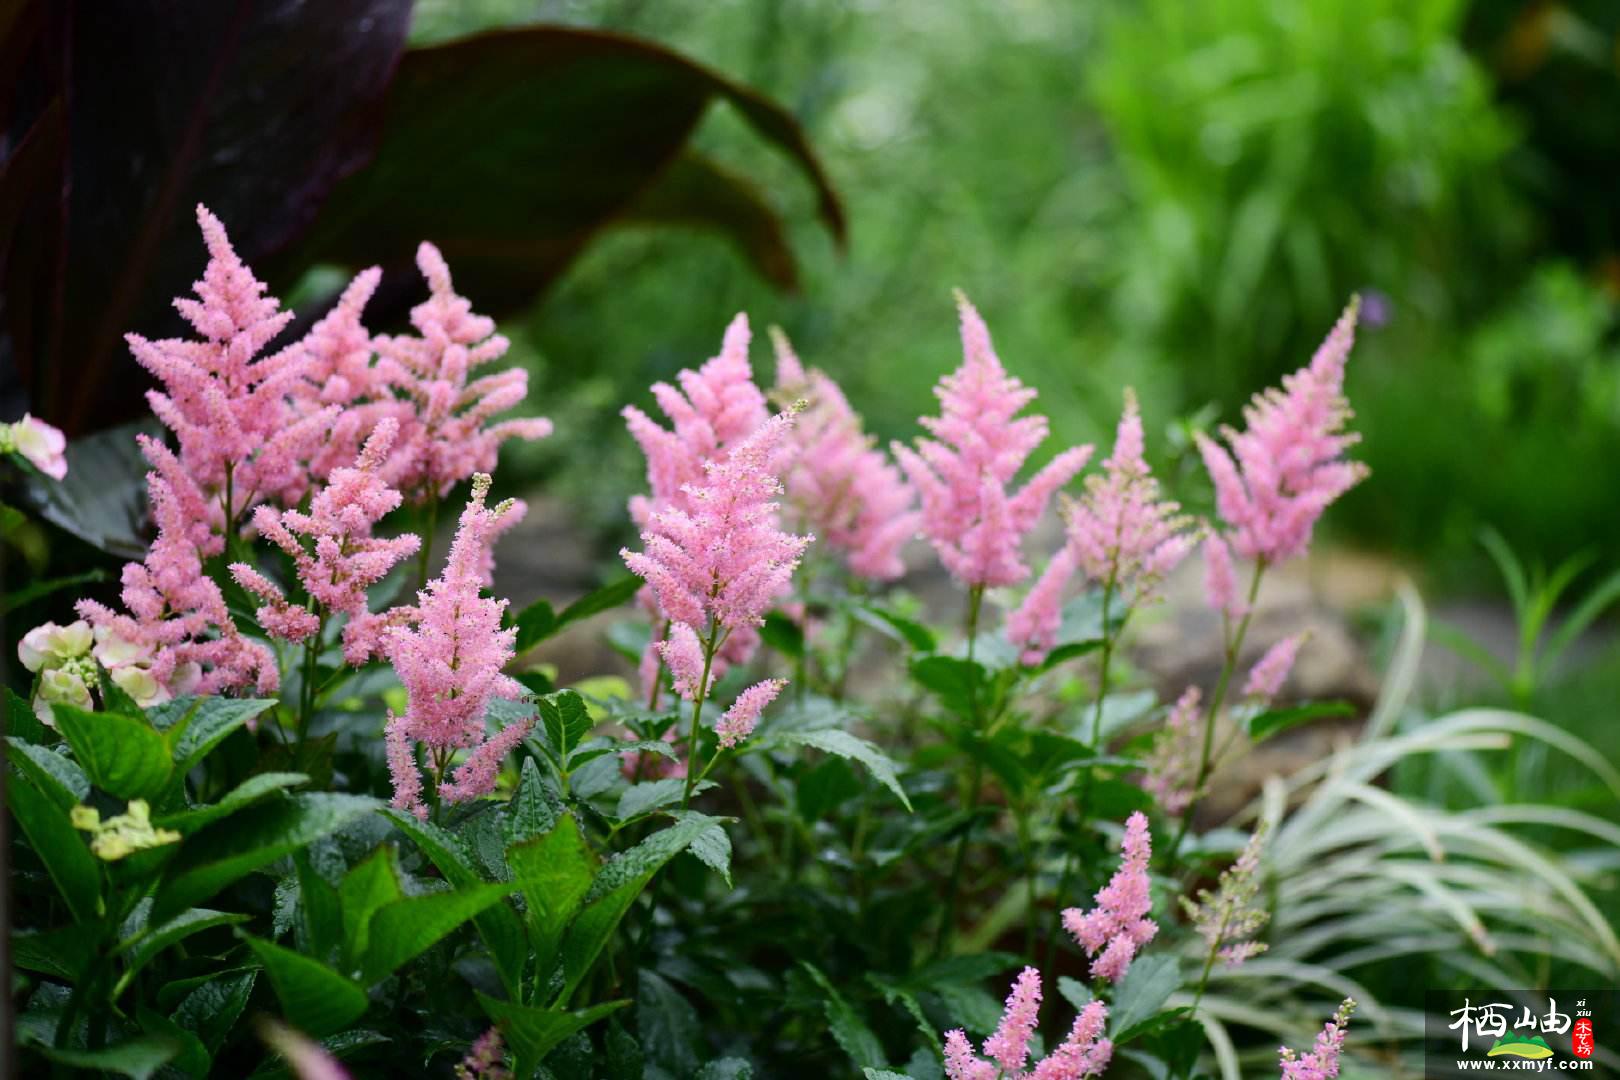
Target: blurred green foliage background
(1168, 194)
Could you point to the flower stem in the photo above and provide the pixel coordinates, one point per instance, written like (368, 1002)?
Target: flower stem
(1233, 648)
(306, 708)
(697, 713)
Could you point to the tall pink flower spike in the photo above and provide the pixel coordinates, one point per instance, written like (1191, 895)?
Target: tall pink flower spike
(228, 406)
(1266, 678)
(1118, 926)
(343, 559)
(1083, 1053)
(1289, 461)
(978, 445)
(1119, 531)
(1172, 767)
(448, 440)
(838, 483)
(449, 651)
(178, 627)
(1322, 1063)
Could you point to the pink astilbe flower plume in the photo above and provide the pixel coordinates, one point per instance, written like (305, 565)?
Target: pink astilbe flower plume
(1288, 464)
(178, 628)
(333, 552)
(447, 439)
(739, 720)
(978, 445)
(1172, 767)
(1220, 581)
(1266, 678)
(838, 483)
(1120, 532)
(228, 406)
(1228, 918)
(1322, 1063)
(449, 651)
(486, 1059)
(1083, 1053)
(1118, 926)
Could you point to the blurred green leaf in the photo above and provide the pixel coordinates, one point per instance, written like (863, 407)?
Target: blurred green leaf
(121, 755)
(365, 888)
(533, 1032)
(845, 745)
(59, 846)
(315, 999)
(404, 929)
(1273, 721)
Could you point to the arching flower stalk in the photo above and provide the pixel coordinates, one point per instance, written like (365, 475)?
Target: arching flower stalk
(1228, 918)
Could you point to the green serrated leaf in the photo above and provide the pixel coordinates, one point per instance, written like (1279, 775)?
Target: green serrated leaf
(961, 685)
(534, 1032)
(712, 846)
(614, 594)
(1075, 992)
(21, 723)
(1142, 992)
(213, 720)
(138, 1058)
(913, 633)
(192, 1058)
(369, 886)
(64, 953)
(220, 853)
(212, 1007)
(565, 722)
(845, 745)
(783, 634)
(182, 926)
(555, 870)
(52, 773)
(668, 1024)
(848, 1029)
(321, 906)
(534, 624)
(315, 999)
(122, 755)
(405, 929)
(643, 798)
(535, 807)
(1273, 721)
(59, 846)
(245, 794)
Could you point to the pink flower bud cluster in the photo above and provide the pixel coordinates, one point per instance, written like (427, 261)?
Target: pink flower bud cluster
(178, 630)
(1287, 466)
(449, 651)
(229, 406)
(1220, 580)
(1172, 766)
(1266, 678)
(448, 440)
(1120, 533)
(1118, 926)
(963, 473)
(1228, 918)
(1322, 1063)
(486, 1059)
(343, 559)
(838, 482)
(1083, 1053)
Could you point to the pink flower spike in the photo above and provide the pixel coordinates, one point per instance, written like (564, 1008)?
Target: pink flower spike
(961, 1063)
(1287, 466)
(682, 653)
(40, 443)
(1172, 767)
(739, 720)
(402, 768)
(475, 777)
(977, 445)
(1009, 1046)
(1034, 624)
(1322, 1063)
(486, 1059)
(1220, 582)
(837, 482)
(1083, 1053)
(1269, 673)
(1118, 926)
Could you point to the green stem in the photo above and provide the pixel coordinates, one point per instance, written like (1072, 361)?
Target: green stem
(692, 775)
(1233, 648)
(306, 707)
(948, 915)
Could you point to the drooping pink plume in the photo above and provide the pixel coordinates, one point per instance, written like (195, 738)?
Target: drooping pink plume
(963, 472)
(738, 721)
(838, 483)
(1288, 465)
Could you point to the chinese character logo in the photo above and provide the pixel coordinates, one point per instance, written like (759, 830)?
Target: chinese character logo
(1491, 1021)
(1585, 1041)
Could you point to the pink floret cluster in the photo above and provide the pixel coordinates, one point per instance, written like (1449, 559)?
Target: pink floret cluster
(1322, 1063)
(1113, 931)
(963, 474)
(1084, 1052)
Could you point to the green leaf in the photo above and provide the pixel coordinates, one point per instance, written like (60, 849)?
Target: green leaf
(52, 773)
(643, 798)
(555, 871)
(728, 1068)
(214, 719)
(913, 633)
(534, 808)
(64, 953)
(535, 624)
(369, 886)
(1143, 992)
(565, 720)
(616, 887)
(21, 723)
(407, 928)
(671, 1033)
(712, 846)
(59, 846)
(961, 685)
(138, 1058)
(220, 853)
(1273, 721)
(845, 745)
(180, 927)
(212, 1008)
(40, 589)
(192, 1057)
(1068, 652)
(533, 1032)
(322, 908)
(245, 794)
(614, 594)
(122, 755)
(783, 634)
(314, 998)
(1075, 992)
(848, 1029)
(498, 925)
